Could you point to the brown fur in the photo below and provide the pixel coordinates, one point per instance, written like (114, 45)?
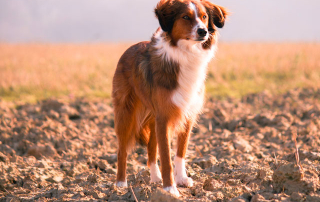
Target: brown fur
(142, 89)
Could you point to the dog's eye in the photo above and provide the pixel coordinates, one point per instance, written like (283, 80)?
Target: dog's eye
(204, 17)
(186, 17)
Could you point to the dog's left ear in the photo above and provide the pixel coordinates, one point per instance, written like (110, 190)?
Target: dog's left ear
(165, 12)
(217, 15)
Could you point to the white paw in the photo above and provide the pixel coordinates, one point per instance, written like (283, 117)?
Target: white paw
(184, 181)
(122, 184)
(155, 173)
(180, 174)
(173, 190)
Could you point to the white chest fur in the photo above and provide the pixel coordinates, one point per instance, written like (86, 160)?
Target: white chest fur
(193, 61)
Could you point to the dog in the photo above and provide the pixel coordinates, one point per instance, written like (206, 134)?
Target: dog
(158, 87)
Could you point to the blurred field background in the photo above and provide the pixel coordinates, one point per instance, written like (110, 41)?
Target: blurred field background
(30, 72)
(67, 48)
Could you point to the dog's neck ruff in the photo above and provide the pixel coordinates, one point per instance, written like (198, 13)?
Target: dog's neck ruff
(193, 60)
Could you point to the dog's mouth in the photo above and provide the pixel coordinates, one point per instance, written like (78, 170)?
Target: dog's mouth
(201, 39)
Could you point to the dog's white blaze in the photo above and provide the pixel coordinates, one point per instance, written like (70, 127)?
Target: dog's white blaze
(199, 24)
(193, 7)
(155, 173)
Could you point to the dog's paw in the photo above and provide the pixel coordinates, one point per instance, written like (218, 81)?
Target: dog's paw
(155, 173)
(173, 190)
(184, 181)
(180, 174)
(122, 184)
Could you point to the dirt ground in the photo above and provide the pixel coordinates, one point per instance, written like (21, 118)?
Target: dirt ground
(241, 150)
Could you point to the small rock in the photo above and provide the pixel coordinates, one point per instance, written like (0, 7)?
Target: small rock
(53, 114)
(212, 184)
(55, 179)
(160, 195)
(205, 162)
(110, 171)
(110, 158)
(296, 196)
(102, 164)
(258, 198)
(242, 144)
(53, 193)
(30, 160)
(263, 119)
(51, 105)
(262, 173)
(93, 178)
(70, 111)
(40, 150)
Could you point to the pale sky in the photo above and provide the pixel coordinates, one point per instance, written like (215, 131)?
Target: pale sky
(87, 21)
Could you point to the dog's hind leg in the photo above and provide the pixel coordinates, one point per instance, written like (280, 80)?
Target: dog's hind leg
(125, 127)
(152, 155)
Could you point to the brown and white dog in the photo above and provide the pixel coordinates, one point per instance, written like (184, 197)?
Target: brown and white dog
(158, 87)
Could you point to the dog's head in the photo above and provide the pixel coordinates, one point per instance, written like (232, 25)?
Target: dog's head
(192, 20)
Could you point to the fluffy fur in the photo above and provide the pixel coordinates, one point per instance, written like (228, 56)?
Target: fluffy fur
(158, 86)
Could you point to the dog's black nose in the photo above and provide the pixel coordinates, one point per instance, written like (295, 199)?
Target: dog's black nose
(202, 32)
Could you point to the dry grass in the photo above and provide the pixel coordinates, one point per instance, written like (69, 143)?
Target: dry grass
(30, 72)
(240, 69)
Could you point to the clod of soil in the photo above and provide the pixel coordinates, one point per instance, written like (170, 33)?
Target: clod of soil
(288, 177)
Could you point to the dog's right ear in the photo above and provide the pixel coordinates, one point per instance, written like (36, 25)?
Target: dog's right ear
(217, 15)
(165, 12)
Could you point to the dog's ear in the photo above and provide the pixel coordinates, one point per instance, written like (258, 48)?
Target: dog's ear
(166, 12)
(217, 15)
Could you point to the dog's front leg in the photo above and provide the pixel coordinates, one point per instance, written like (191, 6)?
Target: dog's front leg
(180, 174)
(163, 130)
